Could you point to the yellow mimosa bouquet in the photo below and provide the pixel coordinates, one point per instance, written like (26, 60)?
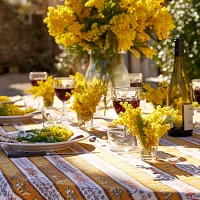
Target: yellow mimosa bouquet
(87, 95)
(150, 128)
(45, 90)
(112, 25)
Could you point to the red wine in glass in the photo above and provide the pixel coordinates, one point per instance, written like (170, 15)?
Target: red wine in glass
(37, 76)
(197, 94)
(136, 84)
(118, 108)
(62, 87)
(61, 93)
(34, 81)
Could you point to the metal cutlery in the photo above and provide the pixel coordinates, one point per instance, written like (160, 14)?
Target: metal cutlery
(15, 154)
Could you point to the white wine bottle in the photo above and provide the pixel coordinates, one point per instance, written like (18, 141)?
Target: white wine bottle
(180, 95)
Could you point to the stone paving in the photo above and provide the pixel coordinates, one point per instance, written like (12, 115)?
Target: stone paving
(14, 84)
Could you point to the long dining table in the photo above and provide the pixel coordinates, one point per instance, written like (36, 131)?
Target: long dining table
(89, 170)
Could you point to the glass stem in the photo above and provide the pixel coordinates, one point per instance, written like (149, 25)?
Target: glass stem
(63, 111)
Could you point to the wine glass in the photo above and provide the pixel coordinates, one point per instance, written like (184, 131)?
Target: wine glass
(126, 94)
(196, 89)
(136, 79)
(37, 76)
(34, 78)
(63, 87)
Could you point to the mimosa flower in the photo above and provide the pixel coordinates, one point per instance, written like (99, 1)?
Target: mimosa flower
(113, 26)
(87, 95)
(44, 89)
(153, 126)
(155, 96)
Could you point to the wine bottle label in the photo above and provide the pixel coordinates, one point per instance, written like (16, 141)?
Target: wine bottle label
(188, 117)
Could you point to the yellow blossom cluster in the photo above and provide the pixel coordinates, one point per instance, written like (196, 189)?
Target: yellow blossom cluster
(14, 110)
(156, 96)
(49, 134)
(87, 95)
(44, 89)
(147, 128)
(4, 98)
(111, 25)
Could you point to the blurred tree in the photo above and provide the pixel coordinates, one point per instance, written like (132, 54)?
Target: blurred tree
(69, 61)
(186, 14)
(22, 7)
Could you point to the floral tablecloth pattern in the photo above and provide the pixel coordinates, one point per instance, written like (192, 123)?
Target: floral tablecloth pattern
(104, 174)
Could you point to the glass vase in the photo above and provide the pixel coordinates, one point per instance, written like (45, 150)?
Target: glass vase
(111, 69)
(48, 102)
(85, 122)
(108, 66)
(147, 148)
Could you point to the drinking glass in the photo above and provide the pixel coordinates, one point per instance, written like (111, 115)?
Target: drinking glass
(120, 140)
(127, 94)
(136, 79)
(37, 76)
(63, 87)
(196, 89)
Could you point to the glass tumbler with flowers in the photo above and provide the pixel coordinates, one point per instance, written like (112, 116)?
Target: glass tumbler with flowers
(87, 95)
(148, 129)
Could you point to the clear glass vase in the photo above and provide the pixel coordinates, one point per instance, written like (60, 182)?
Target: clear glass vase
(147, 151)
(109, 67)
(48, 102)
(85, 122)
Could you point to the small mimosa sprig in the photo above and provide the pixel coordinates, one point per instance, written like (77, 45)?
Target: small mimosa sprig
(156, 96)
(44, 89)
(148, 128)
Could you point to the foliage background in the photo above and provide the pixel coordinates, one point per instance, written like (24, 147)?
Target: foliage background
(186, 14)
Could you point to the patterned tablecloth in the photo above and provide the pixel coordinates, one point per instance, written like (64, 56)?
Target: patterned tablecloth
(104, 174)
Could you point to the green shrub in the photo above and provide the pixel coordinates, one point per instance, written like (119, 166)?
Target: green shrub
(186, 14)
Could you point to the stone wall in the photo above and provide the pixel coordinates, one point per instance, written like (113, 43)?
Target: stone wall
(24, 47)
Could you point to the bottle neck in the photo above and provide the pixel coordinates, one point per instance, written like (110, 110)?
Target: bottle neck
(179, 48)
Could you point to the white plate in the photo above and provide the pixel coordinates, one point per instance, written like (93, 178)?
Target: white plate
(30, 147)
(20, 118)
(12, 100)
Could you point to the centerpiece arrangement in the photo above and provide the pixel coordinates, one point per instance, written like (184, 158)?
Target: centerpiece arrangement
(148, 129)
(45, 89)
(106, 28)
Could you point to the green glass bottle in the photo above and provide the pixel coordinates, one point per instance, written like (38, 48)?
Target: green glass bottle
(180, 95)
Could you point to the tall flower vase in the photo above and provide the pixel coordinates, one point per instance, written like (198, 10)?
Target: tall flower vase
(109, 67)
